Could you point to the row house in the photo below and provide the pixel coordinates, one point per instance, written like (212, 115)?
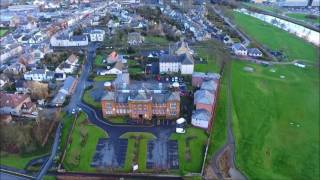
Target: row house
(39, 75)
(69, 41)
(9, 52)
(205, 102)
(183, 63)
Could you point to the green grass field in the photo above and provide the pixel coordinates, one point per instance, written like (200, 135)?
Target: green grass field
(219, 129)
(88, 99)
(264, 7)
(16, 160)
(303, 17)
(191, 147)
(276, 121)
(83, 145)
(156, 40)
(99, 60)
(3, 32)
(276, 39)
(104, 78)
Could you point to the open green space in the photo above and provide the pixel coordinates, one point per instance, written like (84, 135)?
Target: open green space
(212, 54)
(276, 121)
(84, 139)
(219, 128)
(137, 149)
(3, 32)
(104, 78)
(276, 39)
(191, 149)
(88, 99)
(156, 40)
(118, 119)
(67, 121)
(263, 7)
(304, 17)
(18, 161)
(99, 60)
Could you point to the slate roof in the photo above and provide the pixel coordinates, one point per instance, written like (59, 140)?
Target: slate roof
(239, 47)
(210, 85)
(254, 51)
(68, 83)
(169, 58)
(186, 59)
(201, 114)
(208, 76)
(204, 97)
(109, 96)
(11, 100)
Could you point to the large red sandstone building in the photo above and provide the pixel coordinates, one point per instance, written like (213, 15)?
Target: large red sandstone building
(141, 100)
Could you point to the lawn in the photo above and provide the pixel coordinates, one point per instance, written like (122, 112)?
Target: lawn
(67, 123)
(99, 60)
(84, 139)
(276, 121)
(264, 7)
(137, 149)
(213, 53)
(118, 119)
(219, 129)
(87, 98)
(18, 161)
(3, 32)
(303, 17)
(162, 41)
(104, 78)
(276, 39)
(191, 147)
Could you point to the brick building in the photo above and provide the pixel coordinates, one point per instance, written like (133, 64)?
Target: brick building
(141, 100)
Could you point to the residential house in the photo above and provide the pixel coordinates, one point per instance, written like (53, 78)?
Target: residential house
(4, 80)
(114, 57)
(180, 48)
(204, 99)
(28, 60)
(67, 89)
(116, 69)
(239, 49)
(254, 52)
(69, 41)
(183, 63)
(199, 77)
(16, 104)
(16, 69)
(201, 118)
(69, 66)
(9, 52)
(135, 38)
(39, 75)
(97, 35)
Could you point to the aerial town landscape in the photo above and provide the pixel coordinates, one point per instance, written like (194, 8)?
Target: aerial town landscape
(159, 89)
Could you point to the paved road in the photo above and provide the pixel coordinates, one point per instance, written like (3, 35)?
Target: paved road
(6, 176)
(54, 151)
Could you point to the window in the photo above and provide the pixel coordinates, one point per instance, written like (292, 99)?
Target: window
(173, 105)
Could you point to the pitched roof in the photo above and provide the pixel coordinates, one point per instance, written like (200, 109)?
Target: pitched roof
(174, 96)
(11, 100)
(204, 97)
(239, 47)
(109, 96)
(210, 85)
(202, 114)
(186, 58)
(254, 51)
(72, 58)
(169, 58)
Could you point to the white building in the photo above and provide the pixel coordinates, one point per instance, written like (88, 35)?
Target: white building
(97, 35)
(239, 49)
(39, 75)
(72, 41)
(174, 64)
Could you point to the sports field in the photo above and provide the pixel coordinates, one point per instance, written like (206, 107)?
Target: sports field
(276, 121)
(276, 39)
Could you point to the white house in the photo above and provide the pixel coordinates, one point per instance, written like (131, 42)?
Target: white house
(39, 75)
(239, 49)
(116, 69)
(254, 52)
(72, 41)
(174, 64)
(201, 118)
(97, 35)
(69, 66)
